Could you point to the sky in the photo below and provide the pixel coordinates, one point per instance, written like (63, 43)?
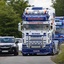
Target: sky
(40, 2)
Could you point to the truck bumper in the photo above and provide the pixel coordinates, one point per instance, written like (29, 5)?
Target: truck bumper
(45, 50)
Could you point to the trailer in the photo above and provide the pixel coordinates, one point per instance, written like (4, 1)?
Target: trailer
(59, 34)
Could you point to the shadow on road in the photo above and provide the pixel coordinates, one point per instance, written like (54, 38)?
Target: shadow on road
(6, 55)
(20, 54)
(35, 55)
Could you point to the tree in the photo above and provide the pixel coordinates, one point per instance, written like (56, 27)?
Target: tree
(8, 20)
(59, 7)
(10, 16)
(19, 6)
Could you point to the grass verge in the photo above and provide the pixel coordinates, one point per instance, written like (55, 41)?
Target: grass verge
(59, 59)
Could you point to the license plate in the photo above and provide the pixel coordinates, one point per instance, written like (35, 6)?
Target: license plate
(35, 46)
(5, 51)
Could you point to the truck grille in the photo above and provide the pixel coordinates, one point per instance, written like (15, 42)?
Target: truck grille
(35, 41)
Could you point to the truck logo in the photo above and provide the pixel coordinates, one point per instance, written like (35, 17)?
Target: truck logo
(35, 33)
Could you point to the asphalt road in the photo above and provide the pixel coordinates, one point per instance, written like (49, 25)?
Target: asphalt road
(9, 59)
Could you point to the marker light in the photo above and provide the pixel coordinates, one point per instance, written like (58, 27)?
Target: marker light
(45, 11)
(26, 12)
(52, 22)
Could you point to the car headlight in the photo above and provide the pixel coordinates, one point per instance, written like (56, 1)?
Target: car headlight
(14, 45)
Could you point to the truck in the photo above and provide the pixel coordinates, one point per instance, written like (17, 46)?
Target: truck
(38, 31)
(59, 33)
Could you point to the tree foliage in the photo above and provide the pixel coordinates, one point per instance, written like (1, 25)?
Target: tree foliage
(59, 7)
(18, 6)
(9, 18)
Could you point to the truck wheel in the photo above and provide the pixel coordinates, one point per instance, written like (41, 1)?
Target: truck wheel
(54, 50)
(53, 53)
(58, 49)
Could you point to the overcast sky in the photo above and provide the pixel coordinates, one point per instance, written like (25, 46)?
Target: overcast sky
(40, 2)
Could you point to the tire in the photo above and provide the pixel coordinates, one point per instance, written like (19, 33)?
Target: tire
(54, 50)
(16, 52)
(58, 48)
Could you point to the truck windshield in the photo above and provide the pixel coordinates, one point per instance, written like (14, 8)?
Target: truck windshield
(60, 30)
(37, 26)
(57, 20)
(7, 40)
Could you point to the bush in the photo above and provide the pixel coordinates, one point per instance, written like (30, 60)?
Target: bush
(59, 59)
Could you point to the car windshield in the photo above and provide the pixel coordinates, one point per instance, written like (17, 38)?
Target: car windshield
(37, 26)
(7, 40)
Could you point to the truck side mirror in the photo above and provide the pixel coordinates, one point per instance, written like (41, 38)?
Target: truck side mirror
(19, 27)
(51, 27)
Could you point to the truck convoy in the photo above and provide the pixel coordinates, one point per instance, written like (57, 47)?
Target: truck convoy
(59, 34)
(38, 32)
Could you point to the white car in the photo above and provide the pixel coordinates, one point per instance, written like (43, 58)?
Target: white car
(20, 43)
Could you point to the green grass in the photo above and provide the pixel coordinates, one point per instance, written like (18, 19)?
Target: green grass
(59, 59)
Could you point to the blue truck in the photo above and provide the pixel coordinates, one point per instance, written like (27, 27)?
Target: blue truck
(59, 34)
(38, 31)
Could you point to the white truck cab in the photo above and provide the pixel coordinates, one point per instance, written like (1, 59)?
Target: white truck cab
(38, 30)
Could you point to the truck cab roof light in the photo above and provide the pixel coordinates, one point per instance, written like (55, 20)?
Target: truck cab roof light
(26, 12)
(45, 11)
